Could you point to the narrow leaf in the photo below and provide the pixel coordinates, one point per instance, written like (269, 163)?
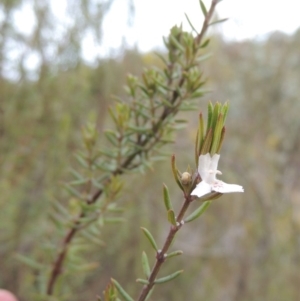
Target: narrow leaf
(73, 191)
(175, 172)
(150, 238)
(191, 24)
(168, 278)
(145, 264)
(199, 138)
(177, 44)
(199, 211)
(207, 143)
(167, 200)
(210, 109)
(112, 137)
(81, 160)
(57, 206)
(76, 174)
(224, 111)
(92, 238)
(221, 140)
(217, 134)
(205, 43)
(172, 217)
(57, 219)
(203, 8)
(29, 262)
(218, 21)
(216, 112)
(142, 281)
(121, 291)
(114, 220)
(174, 253)
(203, 57)
(161, 57)
(79, 182)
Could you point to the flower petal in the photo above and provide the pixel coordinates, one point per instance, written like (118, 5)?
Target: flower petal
(220, 186)
(201, 189)
(214, 162)
(204, 166)
(212, 171)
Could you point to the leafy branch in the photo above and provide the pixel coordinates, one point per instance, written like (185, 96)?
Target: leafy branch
(207, 140)
(144, 123)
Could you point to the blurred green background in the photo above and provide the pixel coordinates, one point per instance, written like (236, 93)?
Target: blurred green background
(246, 246)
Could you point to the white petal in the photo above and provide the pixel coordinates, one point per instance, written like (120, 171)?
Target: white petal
(220, 186)
(213, 166)
(204, 166)
(214, 162)
(201, 189)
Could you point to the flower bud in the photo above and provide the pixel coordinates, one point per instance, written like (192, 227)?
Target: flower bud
(186, 178)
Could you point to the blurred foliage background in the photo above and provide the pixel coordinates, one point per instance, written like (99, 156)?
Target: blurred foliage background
(246, 247)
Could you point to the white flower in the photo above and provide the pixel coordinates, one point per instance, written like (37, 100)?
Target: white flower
(207, 169)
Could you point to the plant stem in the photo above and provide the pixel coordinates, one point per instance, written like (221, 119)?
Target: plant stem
(160, 256)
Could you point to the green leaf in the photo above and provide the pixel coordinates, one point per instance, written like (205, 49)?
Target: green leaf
(73, 191)
(76, 174)
(221, 140)
(203, 8)
(175, 172)
(161, 57)
(191, 24)
(114, 220)
(81, 160)
(216, 112)
(139, 129)
(121, 291)
(112, 137)
(112, 114)
(218, 21)
(142, 281)
(217, 135)
(207, 143)
(145, 264)
(210, 109)
(166, 103)
(58, 220)
(177, 44)
(29, 262)
(87, 267)
(203, 57)
(168, 278)
(109, 153)
(150, 238)
(224, 111)
(79, 182)
(167, 199)
(92, 238)
(174, 253)
(199, 138)
(114, 208)
(172, 217)
(198, 212)
(57, 206)
(205, 43)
